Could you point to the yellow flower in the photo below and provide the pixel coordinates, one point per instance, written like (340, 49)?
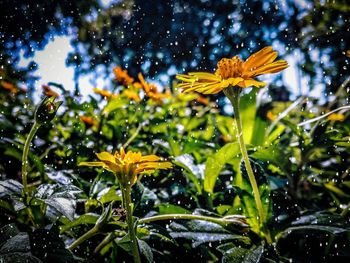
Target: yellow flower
(132, 95)
(89, 121)
(104, 93)
(336, 117)
(122, 76)
(137, 85)
(202, 100)
(234, 72)
(9, 86)
(151, 90)
(127, 166)
(270, 116)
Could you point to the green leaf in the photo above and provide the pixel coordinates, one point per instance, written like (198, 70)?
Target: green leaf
(247, 201)
(145, 250)
(18, 257)
(303, 243)
(259, 130)
(192, 123)
(275, 134)
(273, 154)
(321, 218)
(18, 243)
(114, 104)
(10, 187)
(60, 198)
(109, 195)
(202, 232)
(243, 255)
(88, 218)
(144, 199)
(194, 172)
(7, 232)
(222, 209)
(216, 162)
(248, 112)
(171, 209)
(105, 216)
(13, 152)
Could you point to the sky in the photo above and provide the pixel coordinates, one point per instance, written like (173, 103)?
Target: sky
(52, 68)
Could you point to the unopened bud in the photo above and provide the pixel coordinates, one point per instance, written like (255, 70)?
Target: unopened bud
(46, 110)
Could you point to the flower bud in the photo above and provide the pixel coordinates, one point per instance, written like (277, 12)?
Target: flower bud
(46, 110)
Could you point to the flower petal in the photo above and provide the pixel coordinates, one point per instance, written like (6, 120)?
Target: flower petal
(274, 67)
(251, 82)
(105, 156)
(205, 76)
(260, 58)
(92, 164)
(150, 158)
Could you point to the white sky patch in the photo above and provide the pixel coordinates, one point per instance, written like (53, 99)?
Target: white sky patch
(52, 64)
(52, 67)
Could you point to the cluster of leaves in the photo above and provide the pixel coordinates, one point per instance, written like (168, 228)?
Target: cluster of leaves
(302, 174)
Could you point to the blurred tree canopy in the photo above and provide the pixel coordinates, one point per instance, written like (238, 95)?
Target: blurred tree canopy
(171, 36)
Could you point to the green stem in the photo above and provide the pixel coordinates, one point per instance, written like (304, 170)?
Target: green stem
(130, 221)
(126, 144)
(108, 239)
(104, 242)
(92, 232)
(222, 221)
(234, 96)
(30, 137)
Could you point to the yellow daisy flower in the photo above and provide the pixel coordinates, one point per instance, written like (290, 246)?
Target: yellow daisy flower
(89, 121)
(104, 93)
(234, 72)
(132, 95)
(122, 76)
(151, 90)
(127, 166)
(9, 86)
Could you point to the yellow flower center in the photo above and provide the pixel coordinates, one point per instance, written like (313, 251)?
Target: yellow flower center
(229, 67)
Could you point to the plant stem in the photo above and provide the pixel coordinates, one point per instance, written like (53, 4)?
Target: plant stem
(130, 222)
(126, 144)
(30, 137)
(104, 242)
(234, 96)
(217, 220)
(92, 232)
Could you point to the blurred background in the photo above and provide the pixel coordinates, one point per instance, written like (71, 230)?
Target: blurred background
(77, 43)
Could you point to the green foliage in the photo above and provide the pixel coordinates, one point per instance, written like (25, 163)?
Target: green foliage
(301, 170)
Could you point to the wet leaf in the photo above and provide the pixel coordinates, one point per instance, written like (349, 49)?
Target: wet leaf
(216, 162)
(145, 250)
(10, 187)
